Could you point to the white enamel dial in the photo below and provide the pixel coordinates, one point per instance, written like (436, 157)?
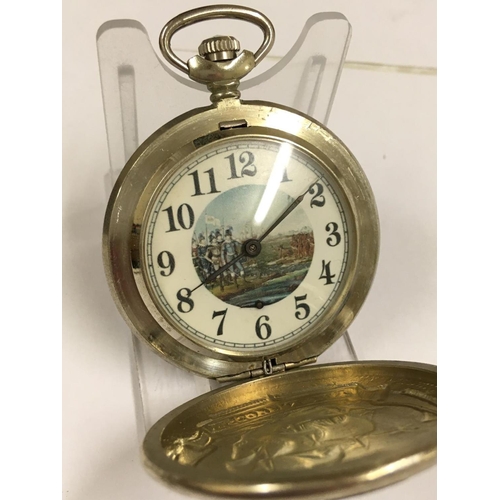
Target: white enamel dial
(232, 193)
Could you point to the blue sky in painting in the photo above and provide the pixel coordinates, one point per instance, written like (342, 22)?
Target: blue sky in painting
(236, 208)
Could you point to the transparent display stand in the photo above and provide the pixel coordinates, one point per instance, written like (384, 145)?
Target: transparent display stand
(141, 93)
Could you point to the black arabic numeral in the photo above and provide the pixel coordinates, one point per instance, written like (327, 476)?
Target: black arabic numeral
(332, 229)
(185, 304)
(263, 326)
(171, 222)
(211, 178)
(232, 166)
(303, 306)
(246, 158)
(167, 262)
(318, 200)
(221, 324)
(181, 213)
(326, 274)
(180, 216)
(285, 176)
(249, 168)
(196, 181)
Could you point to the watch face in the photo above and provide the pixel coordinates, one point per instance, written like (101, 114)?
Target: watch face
(246, 245)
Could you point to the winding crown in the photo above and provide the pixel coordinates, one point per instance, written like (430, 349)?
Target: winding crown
(219, 48)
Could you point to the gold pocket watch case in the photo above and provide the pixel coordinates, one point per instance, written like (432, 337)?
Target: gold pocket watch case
(240, 241)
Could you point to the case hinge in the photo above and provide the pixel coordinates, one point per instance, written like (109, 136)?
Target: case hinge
(269, 367)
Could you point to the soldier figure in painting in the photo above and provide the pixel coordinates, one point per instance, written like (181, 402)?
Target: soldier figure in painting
(214, 256)
(202, 254)
(276, 272)
(230, 249)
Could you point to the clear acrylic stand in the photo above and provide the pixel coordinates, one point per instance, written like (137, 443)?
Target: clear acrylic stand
(141, 93)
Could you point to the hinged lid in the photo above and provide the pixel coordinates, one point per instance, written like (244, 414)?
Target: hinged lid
(323, 432)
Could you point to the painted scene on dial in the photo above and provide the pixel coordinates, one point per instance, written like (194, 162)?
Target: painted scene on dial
(237, 216)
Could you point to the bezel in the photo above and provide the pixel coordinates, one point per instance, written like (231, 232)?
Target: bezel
(145, 281)
(159, 159)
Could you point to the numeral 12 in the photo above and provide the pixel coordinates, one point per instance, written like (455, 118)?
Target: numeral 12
(246, 159)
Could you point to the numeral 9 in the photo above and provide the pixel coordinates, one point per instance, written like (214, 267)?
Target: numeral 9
(167, 262)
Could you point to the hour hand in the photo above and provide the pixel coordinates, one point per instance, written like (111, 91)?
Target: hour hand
(258, 304)
(250, 248)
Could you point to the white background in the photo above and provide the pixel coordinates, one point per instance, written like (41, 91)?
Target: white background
(386, 117)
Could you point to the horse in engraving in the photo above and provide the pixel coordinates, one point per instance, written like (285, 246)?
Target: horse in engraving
(316, 436)
(306, 438)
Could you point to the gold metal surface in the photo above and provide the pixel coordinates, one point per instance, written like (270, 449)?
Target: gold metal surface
(218, 66)
(159, 159)
(219, 48)
(322, 432)
(215, 12)
(319, 433)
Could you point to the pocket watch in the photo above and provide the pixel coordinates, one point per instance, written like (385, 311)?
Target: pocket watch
(240, 241)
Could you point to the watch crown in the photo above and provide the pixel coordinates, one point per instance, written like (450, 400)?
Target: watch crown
(219, 48)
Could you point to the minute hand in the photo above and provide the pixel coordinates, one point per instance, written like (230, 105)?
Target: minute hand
(284, 214)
